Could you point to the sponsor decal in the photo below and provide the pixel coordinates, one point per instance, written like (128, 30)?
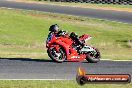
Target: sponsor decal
(75, 57)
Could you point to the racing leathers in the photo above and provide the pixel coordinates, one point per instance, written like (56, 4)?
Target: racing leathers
(73, 36)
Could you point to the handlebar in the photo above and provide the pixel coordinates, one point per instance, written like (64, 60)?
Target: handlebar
(61, 32)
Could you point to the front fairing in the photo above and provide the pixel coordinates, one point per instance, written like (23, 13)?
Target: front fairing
(54, 39)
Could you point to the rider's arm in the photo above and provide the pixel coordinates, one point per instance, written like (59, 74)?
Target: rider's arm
(61, 33)
(50, 37)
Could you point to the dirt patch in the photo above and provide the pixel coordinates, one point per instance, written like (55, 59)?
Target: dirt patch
(21, 46)
(59, 17)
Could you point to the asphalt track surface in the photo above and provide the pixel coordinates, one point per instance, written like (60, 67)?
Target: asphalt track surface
(120, 16)
(26, 68)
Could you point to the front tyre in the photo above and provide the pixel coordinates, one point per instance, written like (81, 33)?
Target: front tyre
(56, 55)
(93, 57)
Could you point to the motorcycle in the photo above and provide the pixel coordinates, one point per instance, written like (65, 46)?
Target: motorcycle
(64, 48)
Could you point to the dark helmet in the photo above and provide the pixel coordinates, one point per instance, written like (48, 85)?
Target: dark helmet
(54, 28)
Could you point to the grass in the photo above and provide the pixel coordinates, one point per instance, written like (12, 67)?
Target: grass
(121, 7)
(22, 33)
(55, 84)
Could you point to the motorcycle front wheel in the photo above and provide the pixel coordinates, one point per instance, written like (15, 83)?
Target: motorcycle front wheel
(93, 57)
(56, 55)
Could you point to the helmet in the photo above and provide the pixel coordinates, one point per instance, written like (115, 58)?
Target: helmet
(54, 28)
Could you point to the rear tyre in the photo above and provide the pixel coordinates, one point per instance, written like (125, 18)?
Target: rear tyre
(93, 57)
(56, 55)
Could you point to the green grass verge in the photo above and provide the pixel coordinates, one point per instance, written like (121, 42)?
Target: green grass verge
(22, 33)
(56, 84)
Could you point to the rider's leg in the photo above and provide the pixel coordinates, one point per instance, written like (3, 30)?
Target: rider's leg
(76, 39)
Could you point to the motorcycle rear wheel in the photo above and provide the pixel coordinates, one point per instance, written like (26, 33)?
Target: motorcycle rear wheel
(93, 57)
(52, 53)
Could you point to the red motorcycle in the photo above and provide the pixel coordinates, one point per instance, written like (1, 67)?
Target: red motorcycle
(62, 48)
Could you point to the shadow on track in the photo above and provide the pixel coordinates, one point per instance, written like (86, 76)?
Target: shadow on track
(27, 59)
(40, 60)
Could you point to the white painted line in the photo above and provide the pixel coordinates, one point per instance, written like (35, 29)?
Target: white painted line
(36, 79)
(121, 60)
(22, 53)
(105, 59)
(113, 60)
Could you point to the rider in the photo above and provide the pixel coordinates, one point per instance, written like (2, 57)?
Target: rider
(54, 31)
